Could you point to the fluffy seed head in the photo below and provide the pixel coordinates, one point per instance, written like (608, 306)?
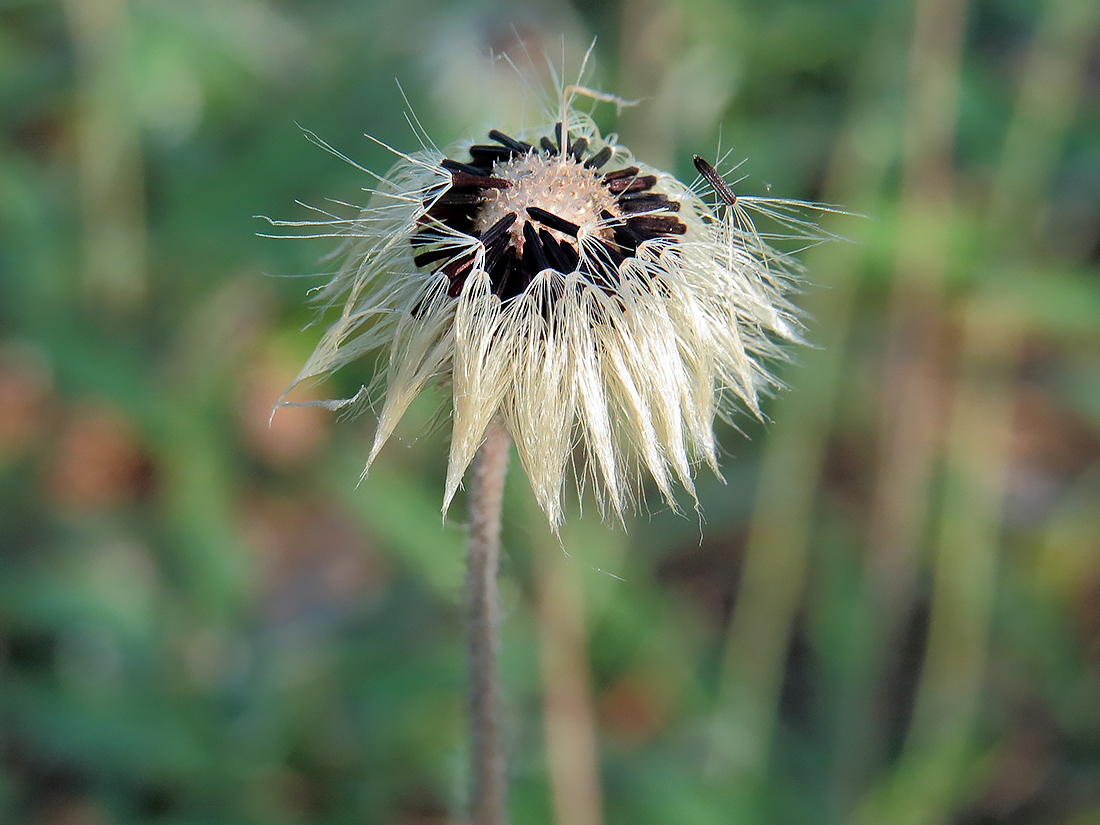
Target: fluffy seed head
(603, 309)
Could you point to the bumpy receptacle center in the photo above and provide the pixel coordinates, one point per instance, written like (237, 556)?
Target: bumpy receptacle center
(558, 185)
(531, 206)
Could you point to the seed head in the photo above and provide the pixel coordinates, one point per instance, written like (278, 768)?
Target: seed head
(587, 299)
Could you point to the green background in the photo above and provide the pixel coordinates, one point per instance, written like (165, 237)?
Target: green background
(889, 613)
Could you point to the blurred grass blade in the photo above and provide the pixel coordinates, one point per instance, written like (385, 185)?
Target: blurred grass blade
(912, 400)
(108, 154)
(775, 562)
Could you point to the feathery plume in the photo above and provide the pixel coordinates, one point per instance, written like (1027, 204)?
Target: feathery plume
(583, 296)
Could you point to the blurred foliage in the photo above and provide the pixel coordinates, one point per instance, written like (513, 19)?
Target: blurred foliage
(892, 614)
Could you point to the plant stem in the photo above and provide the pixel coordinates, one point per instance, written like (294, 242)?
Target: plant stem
(487, 790)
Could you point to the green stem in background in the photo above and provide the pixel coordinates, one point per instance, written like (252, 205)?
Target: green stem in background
(487, 787)
(977, 455)
(914, 401)
(108, 156)
(773, 577)
(941, 753)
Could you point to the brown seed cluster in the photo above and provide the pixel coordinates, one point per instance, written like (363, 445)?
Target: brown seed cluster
(530, 206)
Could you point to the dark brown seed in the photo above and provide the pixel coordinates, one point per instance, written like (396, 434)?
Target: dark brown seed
(600, 158)
(648, 203)
(503, 274)
(498, 229)
(456, 271)
(484, 153)
(658, 224)
(627, 172)
(716, 181)
(452, 215)
(555, 252)
(482, 182)
(623, 186)
(517, 146)
(454, 268)
(453, 197)
(553, 221)
(458, 166)
(533, 245)
(433, 255)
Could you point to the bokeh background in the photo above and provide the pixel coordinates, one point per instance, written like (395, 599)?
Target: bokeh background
(890, 611)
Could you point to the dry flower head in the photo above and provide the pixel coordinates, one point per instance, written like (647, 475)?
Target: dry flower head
(583, 296)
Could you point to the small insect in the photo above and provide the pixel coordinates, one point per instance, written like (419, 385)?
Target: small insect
(717, 183)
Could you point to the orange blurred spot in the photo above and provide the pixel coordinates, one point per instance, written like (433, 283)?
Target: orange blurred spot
(632, 709)
(295, 434)
(95, 461)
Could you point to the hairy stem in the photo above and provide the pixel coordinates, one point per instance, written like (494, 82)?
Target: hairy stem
(487, 802)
